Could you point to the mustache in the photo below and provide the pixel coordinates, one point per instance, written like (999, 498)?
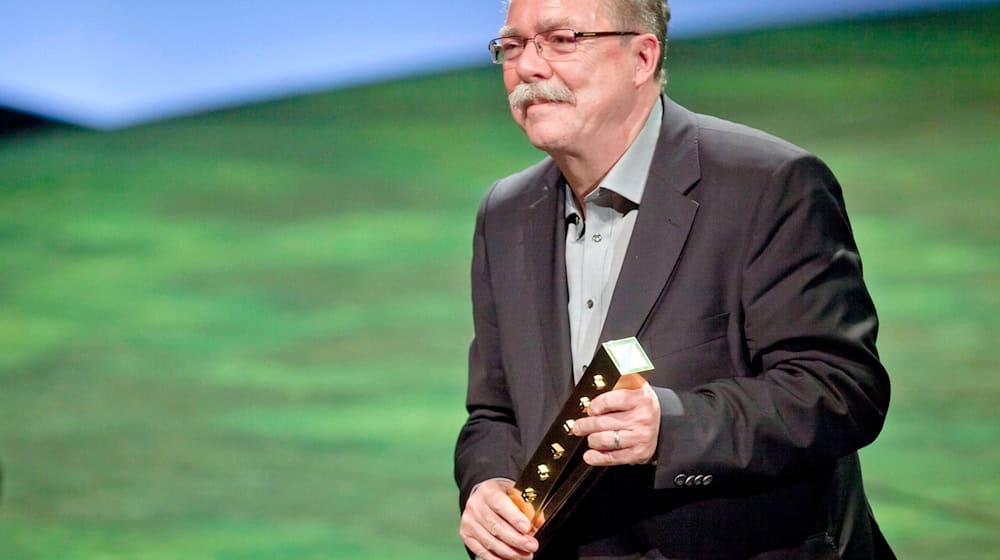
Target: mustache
(524, 94)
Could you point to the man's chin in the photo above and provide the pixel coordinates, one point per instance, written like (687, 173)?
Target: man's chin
(544, 138)
(540, 123)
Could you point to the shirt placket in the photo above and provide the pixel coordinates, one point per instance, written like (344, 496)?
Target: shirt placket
(595, 247)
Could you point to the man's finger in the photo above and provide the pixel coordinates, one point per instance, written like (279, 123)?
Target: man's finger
(595, 424)
(506, 523)
(485, 527)
(615, 401)
(510, 536)
(608, 440)
(509, 512)
(493, 546)
(481, 552)
(598, 458)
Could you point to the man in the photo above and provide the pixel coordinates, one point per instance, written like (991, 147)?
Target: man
(727, 252)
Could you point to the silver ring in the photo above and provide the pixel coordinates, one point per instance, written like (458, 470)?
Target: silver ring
(618, 440)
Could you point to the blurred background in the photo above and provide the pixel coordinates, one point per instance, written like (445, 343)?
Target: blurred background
(234, 244)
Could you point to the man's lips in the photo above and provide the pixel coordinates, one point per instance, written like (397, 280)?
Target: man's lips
(539, 102)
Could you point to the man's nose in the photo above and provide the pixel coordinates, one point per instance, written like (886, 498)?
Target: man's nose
(531, 66)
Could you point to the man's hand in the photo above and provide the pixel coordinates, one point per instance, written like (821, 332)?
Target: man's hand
(493, 527)
(621, 428)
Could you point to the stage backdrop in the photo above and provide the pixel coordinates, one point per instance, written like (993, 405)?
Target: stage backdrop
(242, 334)
(110, 64)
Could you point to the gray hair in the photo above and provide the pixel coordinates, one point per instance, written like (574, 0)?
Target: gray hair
(648, 16)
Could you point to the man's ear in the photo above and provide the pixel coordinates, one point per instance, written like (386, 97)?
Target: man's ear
(646, 49)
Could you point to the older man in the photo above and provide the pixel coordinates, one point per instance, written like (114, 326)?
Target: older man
(726, 251)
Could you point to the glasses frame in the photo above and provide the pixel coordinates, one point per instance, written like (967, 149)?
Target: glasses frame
(496, 51)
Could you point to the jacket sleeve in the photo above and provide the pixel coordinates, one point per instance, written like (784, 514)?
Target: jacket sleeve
(817, 390)
(489, 441)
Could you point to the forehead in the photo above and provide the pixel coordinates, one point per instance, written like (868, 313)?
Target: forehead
(532, 16)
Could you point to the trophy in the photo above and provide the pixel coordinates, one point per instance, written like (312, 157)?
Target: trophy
(556, 472)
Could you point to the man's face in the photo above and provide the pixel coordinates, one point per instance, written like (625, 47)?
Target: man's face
(599, 75)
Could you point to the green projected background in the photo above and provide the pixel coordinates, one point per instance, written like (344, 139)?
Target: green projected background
(242, 335)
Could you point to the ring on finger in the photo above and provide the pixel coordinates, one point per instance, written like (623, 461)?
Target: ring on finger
(618, 439)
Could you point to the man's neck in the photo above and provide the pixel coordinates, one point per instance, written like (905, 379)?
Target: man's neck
(585, 169)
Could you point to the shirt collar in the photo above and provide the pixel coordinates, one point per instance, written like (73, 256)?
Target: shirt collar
(628, 176)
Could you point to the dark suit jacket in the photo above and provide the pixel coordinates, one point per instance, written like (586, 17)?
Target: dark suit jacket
(743, 283)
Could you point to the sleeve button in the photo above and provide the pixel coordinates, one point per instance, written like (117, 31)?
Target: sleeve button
(708, 480)
(679, 480)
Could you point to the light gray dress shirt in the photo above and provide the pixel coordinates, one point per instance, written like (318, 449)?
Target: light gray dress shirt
(596, 244)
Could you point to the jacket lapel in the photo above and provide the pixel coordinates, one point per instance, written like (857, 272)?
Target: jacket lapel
(544, 244)
(661, 228)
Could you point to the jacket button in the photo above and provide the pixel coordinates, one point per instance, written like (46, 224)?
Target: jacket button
(689, 481)
(679, 480)
(707, 480)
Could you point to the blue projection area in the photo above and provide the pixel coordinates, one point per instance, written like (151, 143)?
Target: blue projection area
(108, 64)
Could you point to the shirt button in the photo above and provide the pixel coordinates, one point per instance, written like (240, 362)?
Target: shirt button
(590, 304)
(597, 238)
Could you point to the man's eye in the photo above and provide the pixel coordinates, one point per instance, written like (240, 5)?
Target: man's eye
(561, 39)
(510, 45)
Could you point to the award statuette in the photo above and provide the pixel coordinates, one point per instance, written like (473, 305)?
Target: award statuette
(556, 471)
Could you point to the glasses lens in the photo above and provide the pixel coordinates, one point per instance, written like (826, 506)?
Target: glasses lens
(558, 42)
(495, 52)
(506, 48)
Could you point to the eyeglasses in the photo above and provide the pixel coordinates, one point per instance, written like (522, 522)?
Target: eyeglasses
(555, 44)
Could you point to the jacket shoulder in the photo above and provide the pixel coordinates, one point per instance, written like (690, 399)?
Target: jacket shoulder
(731, 144)
(511, 190)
